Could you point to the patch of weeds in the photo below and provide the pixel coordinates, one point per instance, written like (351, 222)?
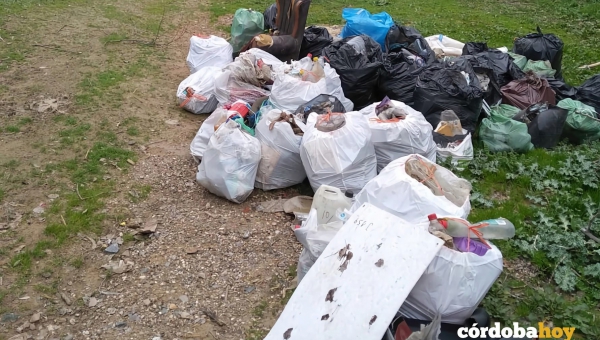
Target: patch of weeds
(13, 129)
(77, 262)
(25, 120)
(255, 332)
(47, 289)
(113, 37)
(139, 193)
(72, 135)
(95, 87)
(259, 310)
(133, 131)
(1, 194)
(127, 237)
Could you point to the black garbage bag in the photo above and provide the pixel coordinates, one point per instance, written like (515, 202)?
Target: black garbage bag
(406, 37)
(539, 46)
(589, 92)
(314, 41)
(358, 68)
(545, 123)
(562, 89)
(270, 16)
(321, 104)
(398, 76)
(442, 86)
(471, 48)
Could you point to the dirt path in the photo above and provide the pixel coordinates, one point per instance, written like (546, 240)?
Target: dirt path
(88, 95)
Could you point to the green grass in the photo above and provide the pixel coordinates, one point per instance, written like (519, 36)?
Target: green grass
(13, 129)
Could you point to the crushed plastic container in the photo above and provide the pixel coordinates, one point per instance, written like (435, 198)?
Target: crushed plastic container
(329, 202)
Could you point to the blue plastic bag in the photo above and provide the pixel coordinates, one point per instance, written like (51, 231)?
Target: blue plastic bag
(360, 21)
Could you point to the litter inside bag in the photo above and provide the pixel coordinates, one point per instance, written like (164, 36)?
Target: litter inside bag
(230, 163)
(541, 67)
(401, 38)
(545, 124)
(208, 51)
(359, 72)
(398, 136)
(540, 46)
(343, 158)
(196, 93)
(280, 136)
(245, 25)
(427, 174)
(444, 46)
(583, 123)
(321, 104)
(525, 92)
(314, 41)
(360, 21)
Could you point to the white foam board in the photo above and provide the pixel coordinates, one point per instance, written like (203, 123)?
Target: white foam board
(355, 297)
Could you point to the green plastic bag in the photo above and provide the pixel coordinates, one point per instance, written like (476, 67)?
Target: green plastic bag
(505, 110)
(542, 68)
(519, 60)
(582, 124)
(245, 26)
(243, 125)
(502, 134)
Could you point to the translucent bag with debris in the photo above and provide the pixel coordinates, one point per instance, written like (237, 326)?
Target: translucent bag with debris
(413, 187)
(230, 162)
(399, 136)
(207, 129)
(280, 136)
(208, 51)
(336, 150)
(196, 93)
(315, 238)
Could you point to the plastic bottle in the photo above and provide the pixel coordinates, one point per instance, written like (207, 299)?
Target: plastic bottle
(329, 202)
(496, 229)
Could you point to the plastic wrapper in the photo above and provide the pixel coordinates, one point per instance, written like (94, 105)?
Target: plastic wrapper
(245, 25)
(196, 93)
(459, 149)
(540, 46)
(395, 190)
(454, 285)
(344, 158)
(449, 86)
(314, 41)
(397, 138)
(502, 134)
(525, 92)
(207, 129)
(582, 124)
(280, 165)
(230, 163)
(360, 21)
(359, 72)
(444, 46)
(208, 51)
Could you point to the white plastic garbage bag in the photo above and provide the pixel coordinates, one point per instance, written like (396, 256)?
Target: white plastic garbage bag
(343, 158)
(208, 51)
(445, 46)
(460, 151)
(314, 238)
(454, 284)
(398, 138)
(200, 142)
(230, 162)
(397, 192)
(291, 91)
(196, 93)
(266, 57)
(280, 165)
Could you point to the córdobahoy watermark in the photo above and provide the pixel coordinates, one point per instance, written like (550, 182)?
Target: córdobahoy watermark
(516, 331)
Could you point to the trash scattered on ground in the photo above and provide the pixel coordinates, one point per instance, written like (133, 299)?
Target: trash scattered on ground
(271, 206)
(119, 267)
(298, 204)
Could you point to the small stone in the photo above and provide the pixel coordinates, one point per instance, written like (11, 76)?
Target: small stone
(113, 248)
(35, 318)
(172, 306)
(249, 289)
(207, 205)
(134, 317)
(147, 302)
(131, 142)
(46, 274)
(66, 298)
(184, 298)
(157, 338)
(163, 311)
(191, 250)
(111, 311)
(38, 210)
(92, 302)
(72, 321)
(185, 315)
(53, 196)
(23, 326)
(144, 270)
(68, 337)
(172, 122)
(120, 324)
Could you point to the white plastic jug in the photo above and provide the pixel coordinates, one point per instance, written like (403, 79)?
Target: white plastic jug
(329, 203)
